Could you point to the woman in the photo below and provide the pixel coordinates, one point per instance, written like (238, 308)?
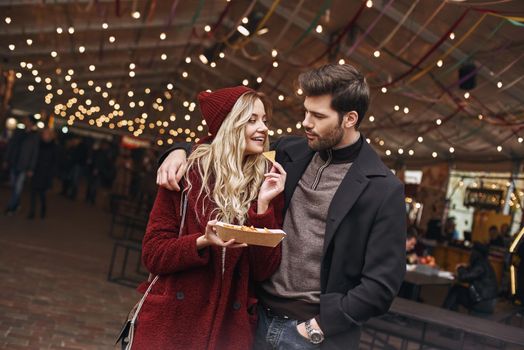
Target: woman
(203, 298)
(481, 293)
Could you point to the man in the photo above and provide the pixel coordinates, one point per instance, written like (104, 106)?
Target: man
(344, 256)
(20, 160)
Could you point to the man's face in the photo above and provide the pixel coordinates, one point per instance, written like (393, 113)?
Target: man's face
(322, 123)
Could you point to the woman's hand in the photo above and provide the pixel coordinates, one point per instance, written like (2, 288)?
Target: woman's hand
(272, 186)
(210, 237)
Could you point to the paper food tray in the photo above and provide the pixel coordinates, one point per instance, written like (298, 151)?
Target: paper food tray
(260, 236)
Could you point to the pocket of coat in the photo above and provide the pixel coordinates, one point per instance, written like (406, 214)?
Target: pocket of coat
(155, 306)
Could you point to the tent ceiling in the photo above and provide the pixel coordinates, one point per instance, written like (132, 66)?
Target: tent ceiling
(410, 36)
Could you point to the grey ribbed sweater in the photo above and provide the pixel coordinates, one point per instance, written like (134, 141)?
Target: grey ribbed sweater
(298, 277)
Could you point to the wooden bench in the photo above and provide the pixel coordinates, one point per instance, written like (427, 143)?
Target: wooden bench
(430, 317)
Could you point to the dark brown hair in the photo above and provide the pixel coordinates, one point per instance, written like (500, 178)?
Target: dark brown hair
(347, 86)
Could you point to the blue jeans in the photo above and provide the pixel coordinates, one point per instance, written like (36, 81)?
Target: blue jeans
(17, 183)
(277, 333)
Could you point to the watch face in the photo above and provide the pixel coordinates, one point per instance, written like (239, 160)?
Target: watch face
(316, 338)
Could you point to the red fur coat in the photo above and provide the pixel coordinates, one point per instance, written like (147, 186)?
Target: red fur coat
(203, 299)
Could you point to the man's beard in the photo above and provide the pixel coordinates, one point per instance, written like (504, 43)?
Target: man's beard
(333, 138)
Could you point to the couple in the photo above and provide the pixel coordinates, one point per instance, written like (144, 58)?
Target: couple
(343, 259)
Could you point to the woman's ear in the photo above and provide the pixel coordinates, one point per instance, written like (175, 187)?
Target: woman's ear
(350, 119)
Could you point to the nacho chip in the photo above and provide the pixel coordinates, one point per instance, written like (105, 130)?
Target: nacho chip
(270, 156)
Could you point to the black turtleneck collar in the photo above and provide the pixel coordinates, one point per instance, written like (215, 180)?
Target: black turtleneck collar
(346, 154)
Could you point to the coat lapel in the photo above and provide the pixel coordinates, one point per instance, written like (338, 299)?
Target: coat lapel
(354, 183)
(345, 197)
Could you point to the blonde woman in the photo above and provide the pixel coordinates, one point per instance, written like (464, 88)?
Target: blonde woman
(203, 298)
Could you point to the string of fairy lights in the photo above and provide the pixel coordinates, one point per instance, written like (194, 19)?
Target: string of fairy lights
(95, 102)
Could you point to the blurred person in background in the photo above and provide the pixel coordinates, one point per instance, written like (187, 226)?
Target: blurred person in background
(42, 179)
(495, 238)
(96, 169)
(481, 290)
(20, 160)
(79, 160)
(411, 242)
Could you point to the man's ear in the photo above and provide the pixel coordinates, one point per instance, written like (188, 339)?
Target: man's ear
(350, 119)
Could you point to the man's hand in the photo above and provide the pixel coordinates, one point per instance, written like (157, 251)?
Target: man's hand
(172, 170)
(301, 328)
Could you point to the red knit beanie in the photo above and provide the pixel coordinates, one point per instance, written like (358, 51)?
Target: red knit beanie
(216, 105)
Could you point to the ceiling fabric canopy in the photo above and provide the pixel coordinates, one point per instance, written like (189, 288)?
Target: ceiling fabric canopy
(446, 77)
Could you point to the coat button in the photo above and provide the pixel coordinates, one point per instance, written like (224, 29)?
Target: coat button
(180, 295)
(236, 305)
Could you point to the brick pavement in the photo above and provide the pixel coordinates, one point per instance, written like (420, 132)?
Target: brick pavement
(54, 292)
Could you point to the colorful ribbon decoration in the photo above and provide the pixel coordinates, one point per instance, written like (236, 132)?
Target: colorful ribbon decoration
(152, 9)
(368, 30)
(397, 27)
(260, 25)
(430, 51)
(234, 28)
(172, 12)
(289, 22)
(283, 32)
(433, 15)
(512, 83)
(482, 44)
(335, 42)
(446, 54)
(313, 23)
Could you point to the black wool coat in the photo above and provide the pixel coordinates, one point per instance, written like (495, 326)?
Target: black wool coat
(364, 260)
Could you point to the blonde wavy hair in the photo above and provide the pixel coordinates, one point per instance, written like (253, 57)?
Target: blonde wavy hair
(236, 179)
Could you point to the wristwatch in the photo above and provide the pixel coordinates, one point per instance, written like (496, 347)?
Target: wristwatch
(315, 335)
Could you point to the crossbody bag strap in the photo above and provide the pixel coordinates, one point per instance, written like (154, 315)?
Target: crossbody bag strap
(143, 299)
(183, 202)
